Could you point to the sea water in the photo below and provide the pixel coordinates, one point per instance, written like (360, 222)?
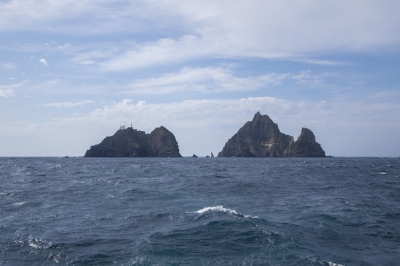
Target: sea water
(200, 211)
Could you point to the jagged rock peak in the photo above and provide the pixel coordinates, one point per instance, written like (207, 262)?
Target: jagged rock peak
(306, 146)
(257, 115)
(306, 135)
(261, 137)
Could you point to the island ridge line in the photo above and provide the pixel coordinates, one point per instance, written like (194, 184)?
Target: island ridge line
(260, 137)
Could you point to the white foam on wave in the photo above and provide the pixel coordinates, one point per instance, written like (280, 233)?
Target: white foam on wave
(19, 203)
(334, 264)
(37, 243)
(221, 208)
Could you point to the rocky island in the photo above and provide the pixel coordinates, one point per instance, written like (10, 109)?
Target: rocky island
(261, 137)
(130, 142)
(306, 145)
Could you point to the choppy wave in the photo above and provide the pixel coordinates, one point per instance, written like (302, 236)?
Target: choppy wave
(334, 264)
(221, 208)
(19, 203)
(156, 211)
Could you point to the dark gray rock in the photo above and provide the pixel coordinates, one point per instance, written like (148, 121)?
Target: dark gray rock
(261, 137)
(306, 145)
(135, 143)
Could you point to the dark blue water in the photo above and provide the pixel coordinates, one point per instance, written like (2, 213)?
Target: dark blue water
(205, 211)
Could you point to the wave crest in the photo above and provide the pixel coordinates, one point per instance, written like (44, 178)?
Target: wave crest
(221, 208)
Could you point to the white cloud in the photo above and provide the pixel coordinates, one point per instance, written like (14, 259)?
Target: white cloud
(320, 62)
(189, 113)
(306, 77)
(88, 54)
(8, 90)
(87, 62)
(269, 29)
(219, 79)
(211, 79)
(277, 25)
(297, 27)
(300, 31)
(66, 104)
(162, 52)
(83, 16)
(8, 66)
(43, 61)
(68, 85)
(5, 93)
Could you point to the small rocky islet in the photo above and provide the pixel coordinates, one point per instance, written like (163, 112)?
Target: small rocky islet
(260, 137)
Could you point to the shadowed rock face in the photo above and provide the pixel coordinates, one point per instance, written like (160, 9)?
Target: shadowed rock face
(306, 146)
(261, 137)
(257, 138)
(135, 143)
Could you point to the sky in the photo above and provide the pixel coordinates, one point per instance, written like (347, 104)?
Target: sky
(73, 71)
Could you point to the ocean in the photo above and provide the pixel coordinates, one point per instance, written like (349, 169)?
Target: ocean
(200, 211)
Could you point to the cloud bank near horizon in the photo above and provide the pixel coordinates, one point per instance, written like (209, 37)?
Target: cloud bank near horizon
(212, 122)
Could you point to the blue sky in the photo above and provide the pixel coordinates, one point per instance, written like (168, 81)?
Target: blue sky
(72, 72)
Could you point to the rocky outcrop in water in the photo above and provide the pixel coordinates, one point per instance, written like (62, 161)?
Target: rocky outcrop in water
(135, 143)
(257, 138)
(261, 137)
(306, 145)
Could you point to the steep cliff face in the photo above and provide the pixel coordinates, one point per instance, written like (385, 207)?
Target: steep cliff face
(261, 137)
(135, 143)
(306, 146)
(162, 143)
